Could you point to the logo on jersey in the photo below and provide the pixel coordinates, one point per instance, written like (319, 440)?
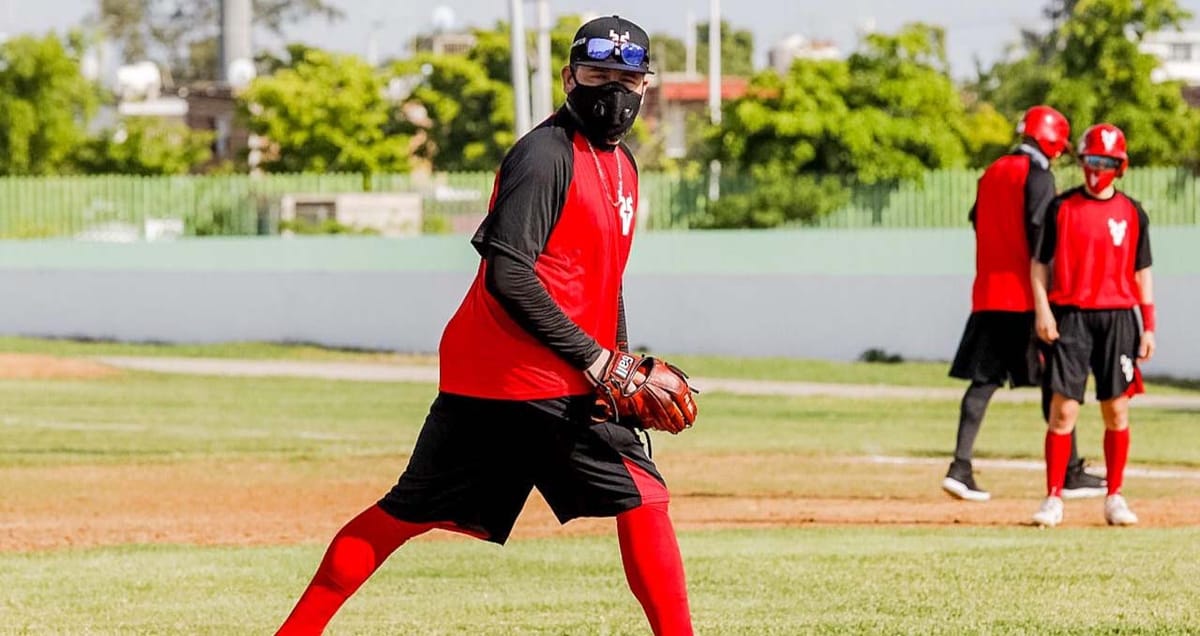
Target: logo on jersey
(1109, 139)
(626, 212)
(1117, 230)
(1127, 367)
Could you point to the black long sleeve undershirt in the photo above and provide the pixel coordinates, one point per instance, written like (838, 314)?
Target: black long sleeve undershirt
(1039, 193)
(532, 189)
(622, 332)
(517, 288)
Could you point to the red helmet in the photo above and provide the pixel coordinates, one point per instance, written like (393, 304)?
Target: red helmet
(1103, 155)
(1105, 140)
(1048, 127)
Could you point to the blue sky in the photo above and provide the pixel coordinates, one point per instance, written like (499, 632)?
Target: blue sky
(976, 28)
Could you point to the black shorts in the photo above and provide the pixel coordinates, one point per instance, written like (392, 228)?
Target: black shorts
(476, 461)
(1103, 340)
(998, 347)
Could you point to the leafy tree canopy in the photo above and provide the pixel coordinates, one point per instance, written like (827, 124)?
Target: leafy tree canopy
(44, 104)
(1089, 66)
(325, 112)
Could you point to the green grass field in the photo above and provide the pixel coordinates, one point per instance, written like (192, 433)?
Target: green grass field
(788, 581)
(765, 579)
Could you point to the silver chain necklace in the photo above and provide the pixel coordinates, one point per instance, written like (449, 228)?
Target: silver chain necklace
(616, 203)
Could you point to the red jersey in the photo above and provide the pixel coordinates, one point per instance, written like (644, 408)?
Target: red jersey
(1013, 194)
(1094, 247)
(573, 221)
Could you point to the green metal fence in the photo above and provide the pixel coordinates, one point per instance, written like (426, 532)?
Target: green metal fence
(37, 207)
(941, 199)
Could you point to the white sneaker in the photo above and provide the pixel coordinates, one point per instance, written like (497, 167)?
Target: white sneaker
(1050, 514)
(1117, 512)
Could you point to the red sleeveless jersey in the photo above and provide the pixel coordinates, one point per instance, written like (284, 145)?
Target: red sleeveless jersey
(484, 352)
(1001, 247)
(1098, 245)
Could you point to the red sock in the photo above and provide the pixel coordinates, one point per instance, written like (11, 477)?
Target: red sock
(1058, 453)
(654, 568)
(1116, 453)
(353, 555)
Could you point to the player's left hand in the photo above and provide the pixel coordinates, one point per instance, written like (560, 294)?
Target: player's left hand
(654, 394)
(1146, 349)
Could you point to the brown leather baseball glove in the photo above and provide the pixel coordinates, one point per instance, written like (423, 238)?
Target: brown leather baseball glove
(645, 392)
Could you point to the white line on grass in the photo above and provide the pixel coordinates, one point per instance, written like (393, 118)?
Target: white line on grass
(363, 372)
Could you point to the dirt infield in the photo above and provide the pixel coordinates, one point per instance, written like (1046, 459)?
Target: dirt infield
(277, 503)
(22, 366)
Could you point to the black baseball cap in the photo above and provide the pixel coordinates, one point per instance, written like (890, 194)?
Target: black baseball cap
(612, 42)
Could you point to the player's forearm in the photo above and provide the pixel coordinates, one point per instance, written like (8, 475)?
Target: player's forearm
(1039, 274)
(518, 290)
(1145, 284)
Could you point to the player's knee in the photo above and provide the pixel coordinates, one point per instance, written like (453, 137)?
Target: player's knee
(1063, 414)
(1116, 414)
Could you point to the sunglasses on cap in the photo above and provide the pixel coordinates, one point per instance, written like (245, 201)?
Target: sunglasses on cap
(601, 49)
(1100, 162)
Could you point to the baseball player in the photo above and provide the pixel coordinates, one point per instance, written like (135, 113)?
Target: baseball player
(1097, 241)
(537, 388)
(998, 344)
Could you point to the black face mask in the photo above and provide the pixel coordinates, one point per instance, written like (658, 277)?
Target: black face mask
(607, 111)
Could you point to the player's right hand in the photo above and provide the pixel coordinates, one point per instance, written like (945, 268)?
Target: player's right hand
(1146, 347)
(1047, 328)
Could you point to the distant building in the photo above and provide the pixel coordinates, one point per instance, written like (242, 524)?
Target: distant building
(212, 107)
(140, 93)
(1179, 53)
(797, 47)
(674, 98)
(444, 43)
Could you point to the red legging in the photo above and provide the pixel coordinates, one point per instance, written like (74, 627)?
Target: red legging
(649, 553)
(353, 556)
(654, 568)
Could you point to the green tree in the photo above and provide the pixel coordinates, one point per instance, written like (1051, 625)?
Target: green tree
(144, 146)
(124, 22)
(1090, 68)
(44, 103)
(468, 99)
(886, 114)
(324, 113)
(493, 49)
(468, 103)
(185, 32)
(737, 50)
(669, 53)
(469, 115)
(987, 134)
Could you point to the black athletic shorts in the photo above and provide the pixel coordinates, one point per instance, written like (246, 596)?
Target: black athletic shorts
(999, 347)
(1105, 341)
(476, 461)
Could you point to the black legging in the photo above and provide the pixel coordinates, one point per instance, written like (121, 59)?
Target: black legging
(970, 419)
